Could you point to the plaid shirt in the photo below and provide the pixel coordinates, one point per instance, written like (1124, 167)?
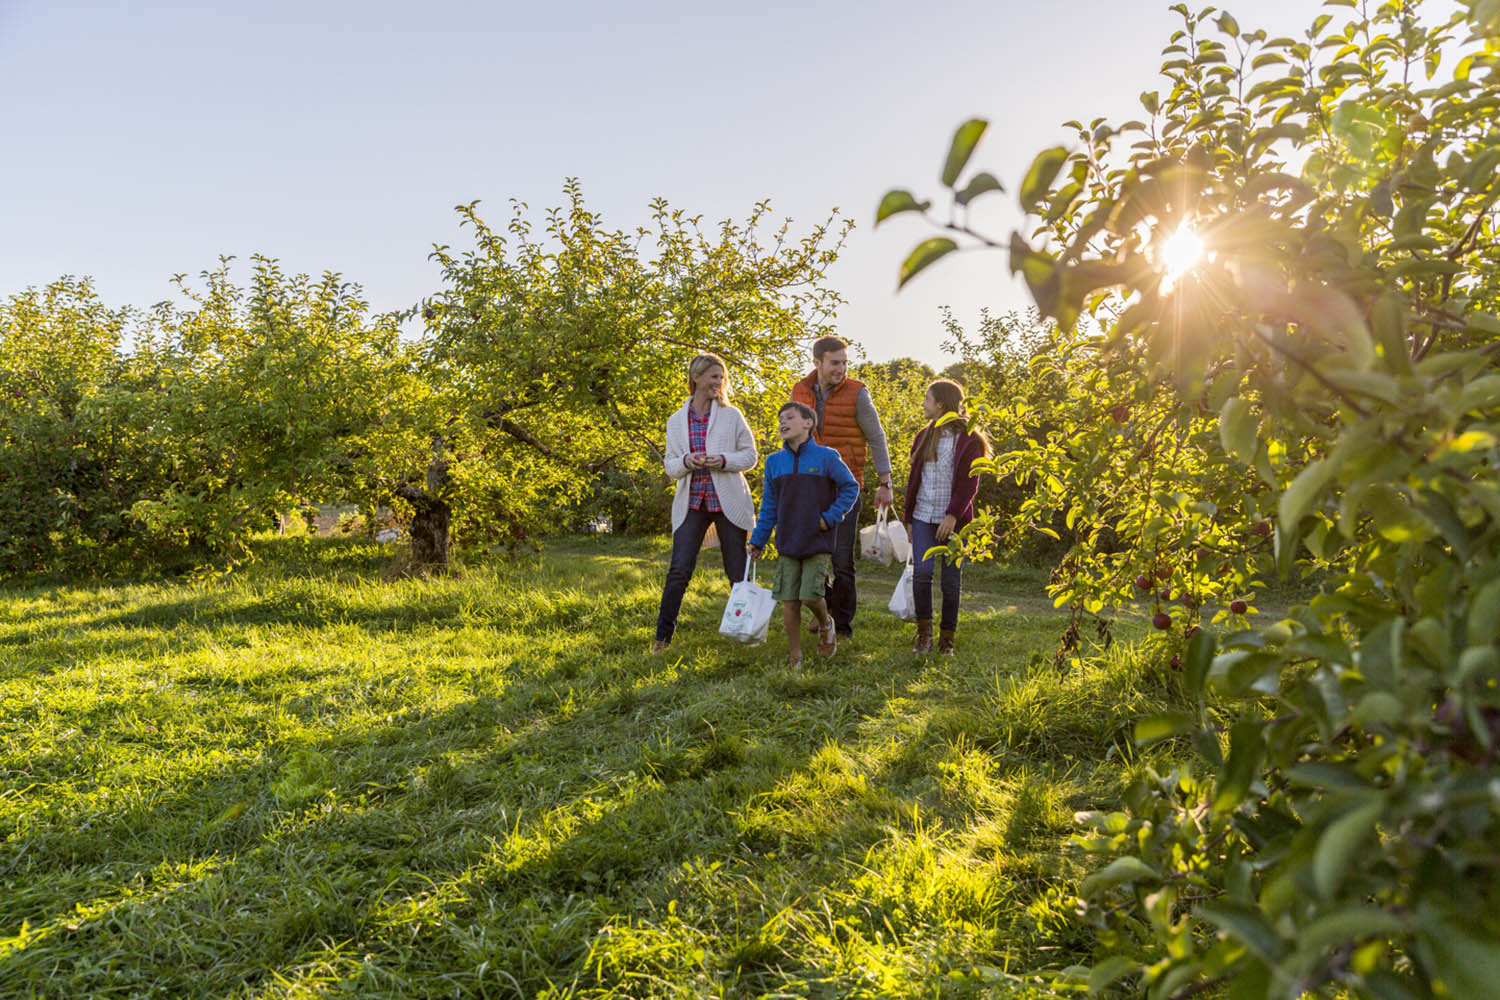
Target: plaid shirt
(936, 491)
(702, 493)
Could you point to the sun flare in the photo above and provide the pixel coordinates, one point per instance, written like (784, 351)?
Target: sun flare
(1181, 252)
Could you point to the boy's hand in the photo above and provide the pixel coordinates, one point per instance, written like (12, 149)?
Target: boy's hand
(753, 551)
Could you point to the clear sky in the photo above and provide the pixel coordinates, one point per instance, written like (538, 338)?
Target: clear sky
(148, 137)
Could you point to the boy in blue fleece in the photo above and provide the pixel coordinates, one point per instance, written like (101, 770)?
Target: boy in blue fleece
(807, 491)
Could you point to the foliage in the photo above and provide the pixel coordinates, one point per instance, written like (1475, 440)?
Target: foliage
(279, 393)
(309, 778)
(1316, 394)
(560, 356)
(62, 471)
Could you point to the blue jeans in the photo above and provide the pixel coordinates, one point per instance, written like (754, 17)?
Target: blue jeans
(924, 537)
(686, 541)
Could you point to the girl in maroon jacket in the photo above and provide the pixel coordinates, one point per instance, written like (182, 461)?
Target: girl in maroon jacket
(940, 500)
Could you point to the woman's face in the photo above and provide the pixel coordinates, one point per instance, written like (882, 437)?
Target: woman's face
(711, 381)
(931, 407)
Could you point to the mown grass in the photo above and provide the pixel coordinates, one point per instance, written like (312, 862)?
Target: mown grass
(311, 780)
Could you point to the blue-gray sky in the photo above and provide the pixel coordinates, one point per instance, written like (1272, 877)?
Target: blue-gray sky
(146, 138)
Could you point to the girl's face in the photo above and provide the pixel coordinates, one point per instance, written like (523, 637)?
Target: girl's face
(711, 381)
(931, 407)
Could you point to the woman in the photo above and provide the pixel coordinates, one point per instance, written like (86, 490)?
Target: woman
(709, 446)
(940, 494)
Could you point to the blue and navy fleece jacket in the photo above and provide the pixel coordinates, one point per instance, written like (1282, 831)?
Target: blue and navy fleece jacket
(800, 487)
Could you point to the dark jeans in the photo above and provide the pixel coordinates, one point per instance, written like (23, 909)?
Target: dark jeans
(686, 541)
(924, 537)
(841, 595)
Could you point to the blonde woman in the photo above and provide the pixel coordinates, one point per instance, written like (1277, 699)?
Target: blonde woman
(709, 446)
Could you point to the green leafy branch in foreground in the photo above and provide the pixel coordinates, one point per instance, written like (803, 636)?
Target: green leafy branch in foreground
(1278, 327)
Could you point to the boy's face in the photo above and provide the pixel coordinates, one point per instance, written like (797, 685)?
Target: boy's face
(794, 426)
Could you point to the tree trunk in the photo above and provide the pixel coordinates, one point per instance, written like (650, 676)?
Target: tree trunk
(431, 514)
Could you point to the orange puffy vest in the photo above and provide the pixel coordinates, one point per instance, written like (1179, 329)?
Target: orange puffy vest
(840, 429)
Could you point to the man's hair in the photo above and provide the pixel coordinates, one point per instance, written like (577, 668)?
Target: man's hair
(824, 345)
(803, 410)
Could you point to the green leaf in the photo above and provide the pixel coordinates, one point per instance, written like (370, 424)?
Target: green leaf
(897, 201)
(1237, 429)
(1154, 728)
(1040, 175)
(1246, 749)
(1339, 843)
(1484, 613)
(1228, 25)
(1117, 872)
(964, 140)
(1200, 655)
(1248, 926)
(1110, 971)
(1350, 924)
(924, 254)
(1303, 490)
(981, 183)
(1467, 964)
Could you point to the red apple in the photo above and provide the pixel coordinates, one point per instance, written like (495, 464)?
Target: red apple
(1238, 607)
(1120, 414)
(1162, 620)
(1143, 582)
(1164, 573)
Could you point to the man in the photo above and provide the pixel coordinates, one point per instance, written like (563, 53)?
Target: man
(848, 423)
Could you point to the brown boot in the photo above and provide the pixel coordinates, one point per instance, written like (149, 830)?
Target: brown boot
(945, 641)
(924, 637)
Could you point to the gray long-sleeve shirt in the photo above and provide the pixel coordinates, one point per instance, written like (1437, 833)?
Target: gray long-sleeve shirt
(868, 419)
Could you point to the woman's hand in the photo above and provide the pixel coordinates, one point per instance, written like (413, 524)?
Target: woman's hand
(945, 528)
(694, 460)
(718, 461)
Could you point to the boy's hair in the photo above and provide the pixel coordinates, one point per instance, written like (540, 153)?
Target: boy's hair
(803, 410)
(824, 345)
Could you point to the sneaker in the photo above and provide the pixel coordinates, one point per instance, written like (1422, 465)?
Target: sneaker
(828, 639)
(660, 645)
(794, 664)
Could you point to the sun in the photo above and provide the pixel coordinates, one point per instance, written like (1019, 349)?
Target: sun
(1181, 252)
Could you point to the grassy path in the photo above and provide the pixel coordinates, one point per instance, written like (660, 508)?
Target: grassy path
(308, 780)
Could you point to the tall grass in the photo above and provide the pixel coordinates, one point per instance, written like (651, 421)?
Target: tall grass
(311, 780)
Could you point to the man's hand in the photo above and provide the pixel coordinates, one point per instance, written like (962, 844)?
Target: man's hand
(823, 524)
(884, 496)
(945, 528)
(754, 551)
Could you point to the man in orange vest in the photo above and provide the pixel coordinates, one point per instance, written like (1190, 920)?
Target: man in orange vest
(848, 423)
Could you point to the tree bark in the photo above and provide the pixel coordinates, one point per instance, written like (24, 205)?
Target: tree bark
(431, 514)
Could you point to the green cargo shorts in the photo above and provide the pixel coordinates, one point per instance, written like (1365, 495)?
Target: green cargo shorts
(801, 579)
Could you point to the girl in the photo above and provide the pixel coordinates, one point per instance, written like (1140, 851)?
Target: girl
(709, 445)
(939, 500)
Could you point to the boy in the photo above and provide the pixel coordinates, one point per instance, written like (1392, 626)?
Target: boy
(807, 491)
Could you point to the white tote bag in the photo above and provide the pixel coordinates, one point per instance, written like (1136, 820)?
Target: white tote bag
(747, 616)
(904, 601)
(875, 540)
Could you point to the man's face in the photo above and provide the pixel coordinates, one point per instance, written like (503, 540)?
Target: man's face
(832, 367)
(793, 425)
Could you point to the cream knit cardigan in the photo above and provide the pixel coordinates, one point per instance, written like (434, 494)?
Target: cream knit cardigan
(728, 435)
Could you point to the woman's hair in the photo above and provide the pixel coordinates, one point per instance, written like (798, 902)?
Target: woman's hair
(950, 396)
(700, 366)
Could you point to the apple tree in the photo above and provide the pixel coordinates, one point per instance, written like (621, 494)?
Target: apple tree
(1278, 306)
(558, 355)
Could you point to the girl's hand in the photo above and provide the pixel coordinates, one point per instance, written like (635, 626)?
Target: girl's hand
(946, 528)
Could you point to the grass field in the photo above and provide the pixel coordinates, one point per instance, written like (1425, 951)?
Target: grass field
(310, 780)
